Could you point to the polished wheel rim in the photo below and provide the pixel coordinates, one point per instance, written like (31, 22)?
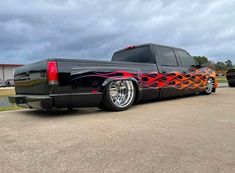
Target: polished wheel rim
(121, 93)
(209, 85)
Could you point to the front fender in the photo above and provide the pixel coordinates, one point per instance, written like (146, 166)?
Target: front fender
(215, 82)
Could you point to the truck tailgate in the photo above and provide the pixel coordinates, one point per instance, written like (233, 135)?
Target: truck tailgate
(32, 79)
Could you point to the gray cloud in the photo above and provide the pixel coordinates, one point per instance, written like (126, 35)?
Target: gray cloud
(34, 30)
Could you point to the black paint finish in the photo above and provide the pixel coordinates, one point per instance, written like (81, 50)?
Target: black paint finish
(82, 82)
(231, 77)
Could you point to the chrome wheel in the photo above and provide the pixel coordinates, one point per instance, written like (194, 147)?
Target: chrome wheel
(121, 93)
(209, 86)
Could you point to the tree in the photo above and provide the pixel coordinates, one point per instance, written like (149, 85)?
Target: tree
(211, 65)
(220, 66)
(202, 60)
(229, 64)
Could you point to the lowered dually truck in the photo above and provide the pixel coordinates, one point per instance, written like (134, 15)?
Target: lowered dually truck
(134, 74)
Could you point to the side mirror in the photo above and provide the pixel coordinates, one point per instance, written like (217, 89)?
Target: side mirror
(197, 65)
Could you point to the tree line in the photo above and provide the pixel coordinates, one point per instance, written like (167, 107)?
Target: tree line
(217, 66)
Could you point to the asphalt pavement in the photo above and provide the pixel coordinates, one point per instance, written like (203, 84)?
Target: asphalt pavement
(191, 134)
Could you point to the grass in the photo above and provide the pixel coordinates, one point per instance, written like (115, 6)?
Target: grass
(8, 108)
(221, 79)
(7, 92)
(4, 92)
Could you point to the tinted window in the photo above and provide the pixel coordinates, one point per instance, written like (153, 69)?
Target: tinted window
(186, 59)
(139, 54)
(167, 56)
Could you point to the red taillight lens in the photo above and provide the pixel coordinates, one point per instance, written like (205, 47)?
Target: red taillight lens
(130, 47)
(52, 72)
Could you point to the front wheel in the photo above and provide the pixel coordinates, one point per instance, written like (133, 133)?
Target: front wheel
(118, 96)
(209, 87)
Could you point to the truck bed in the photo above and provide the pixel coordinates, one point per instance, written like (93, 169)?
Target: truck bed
(75, 77)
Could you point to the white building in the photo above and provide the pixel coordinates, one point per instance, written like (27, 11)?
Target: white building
(7, 71)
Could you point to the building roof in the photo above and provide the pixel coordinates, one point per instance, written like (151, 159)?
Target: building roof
(15, 65)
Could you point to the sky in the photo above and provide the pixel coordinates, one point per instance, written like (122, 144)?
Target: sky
(35, 30)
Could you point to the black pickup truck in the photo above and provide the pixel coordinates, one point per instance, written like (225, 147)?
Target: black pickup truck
(136, 73)
(231, 77)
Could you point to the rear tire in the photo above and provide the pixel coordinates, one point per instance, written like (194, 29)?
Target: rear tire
(209, 87)
(118, 96)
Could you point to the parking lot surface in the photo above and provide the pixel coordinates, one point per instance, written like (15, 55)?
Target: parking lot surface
(191, 134)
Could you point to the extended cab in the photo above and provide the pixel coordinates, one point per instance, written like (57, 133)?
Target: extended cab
(136, 73)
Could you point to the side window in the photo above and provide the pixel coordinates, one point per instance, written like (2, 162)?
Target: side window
(167, 56)
(186, 59)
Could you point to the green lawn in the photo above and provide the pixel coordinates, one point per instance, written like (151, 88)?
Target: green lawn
(6, 92)
(8, 108)
(221, 79)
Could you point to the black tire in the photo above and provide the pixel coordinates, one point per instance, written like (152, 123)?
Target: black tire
(108, 104)
(231, 84)
(210, 83)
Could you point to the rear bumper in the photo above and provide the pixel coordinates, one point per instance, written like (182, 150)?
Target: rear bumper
(49, 102)
(32, 101)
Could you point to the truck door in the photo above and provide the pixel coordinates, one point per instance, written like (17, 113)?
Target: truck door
(191, 72)
(171, 74)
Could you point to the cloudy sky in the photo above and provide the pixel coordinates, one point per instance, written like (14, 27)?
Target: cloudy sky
(34, 30)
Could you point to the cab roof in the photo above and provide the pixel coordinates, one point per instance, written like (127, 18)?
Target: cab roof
(147, 45)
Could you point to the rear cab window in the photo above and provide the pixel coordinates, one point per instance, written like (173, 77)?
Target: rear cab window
(141, 54)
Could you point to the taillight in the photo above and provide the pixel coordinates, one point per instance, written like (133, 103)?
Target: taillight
(52, 72)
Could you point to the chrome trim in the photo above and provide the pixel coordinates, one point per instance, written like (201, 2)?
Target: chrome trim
(121, 92)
